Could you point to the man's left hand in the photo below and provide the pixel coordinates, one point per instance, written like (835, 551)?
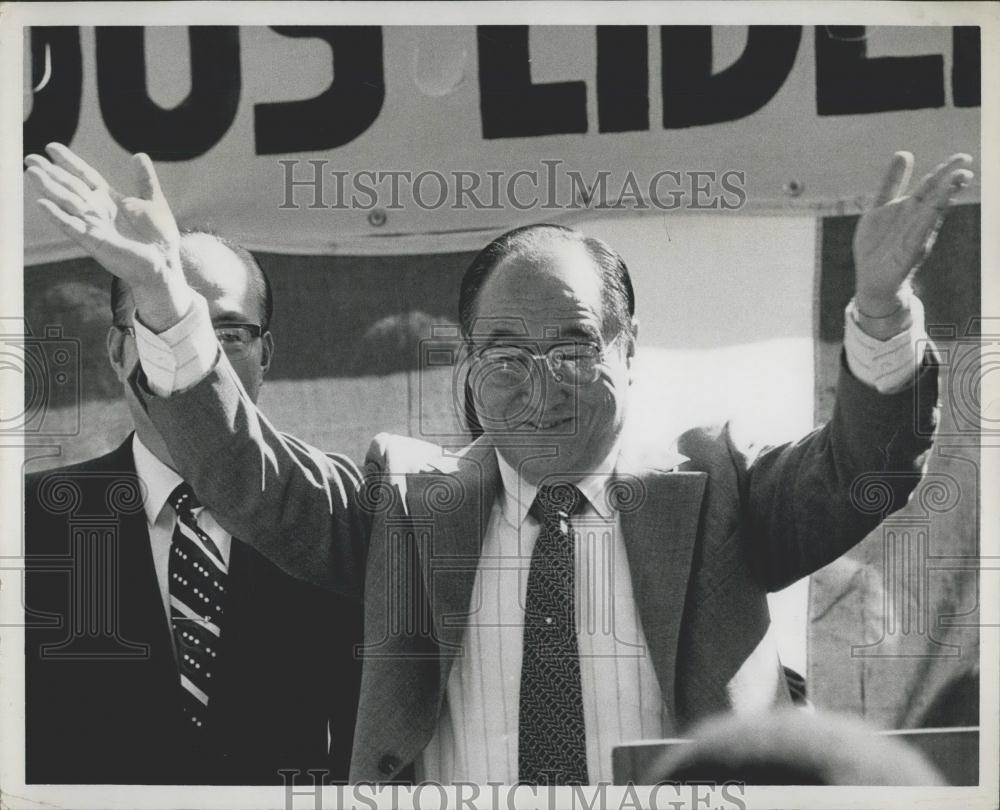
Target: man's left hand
(896, 234)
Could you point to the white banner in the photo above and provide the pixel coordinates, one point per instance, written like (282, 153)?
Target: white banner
(388, 139)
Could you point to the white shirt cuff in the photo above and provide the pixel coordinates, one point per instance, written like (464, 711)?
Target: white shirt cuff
(181, 356)
(886, 365)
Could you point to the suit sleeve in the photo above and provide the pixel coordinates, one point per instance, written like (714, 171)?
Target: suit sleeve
(296, 505)
(805, 504)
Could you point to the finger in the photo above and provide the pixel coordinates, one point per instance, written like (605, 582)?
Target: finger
(73, 226)
(932, 213)
(70, 202)
(149, 183)
(931, 181)
(949, 189)
(60, 175)
(927, 218)
(928, 213)
(75, 165)
(897, 178)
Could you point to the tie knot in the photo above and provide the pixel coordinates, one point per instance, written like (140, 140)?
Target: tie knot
(557, 501)
(183, 499)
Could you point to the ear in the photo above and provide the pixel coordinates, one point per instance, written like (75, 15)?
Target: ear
(115, 342)
(267, 352)
(632, 339)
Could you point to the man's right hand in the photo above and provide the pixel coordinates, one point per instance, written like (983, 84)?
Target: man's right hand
(133, 237)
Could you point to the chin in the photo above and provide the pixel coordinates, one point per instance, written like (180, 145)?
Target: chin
(565, 464)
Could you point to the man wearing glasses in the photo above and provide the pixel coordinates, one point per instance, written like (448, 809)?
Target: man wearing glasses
(214, 665)
(557, 587)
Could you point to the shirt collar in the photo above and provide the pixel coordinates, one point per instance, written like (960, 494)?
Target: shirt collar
(156, 476)
(519, 494)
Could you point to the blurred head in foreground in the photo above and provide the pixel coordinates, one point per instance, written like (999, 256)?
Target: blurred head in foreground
(791, 747)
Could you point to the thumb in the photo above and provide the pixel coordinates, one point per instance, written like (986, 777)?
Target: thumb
(147, 181)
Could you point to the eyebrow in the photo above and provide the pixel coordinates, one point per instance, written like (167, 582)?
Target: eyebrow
(502, 333)
(582, 330)
(232, 317)
(574, 331)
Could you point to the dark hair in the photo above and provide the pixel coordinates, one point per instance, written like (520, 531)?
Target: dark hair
(619, 299)
(258, 278)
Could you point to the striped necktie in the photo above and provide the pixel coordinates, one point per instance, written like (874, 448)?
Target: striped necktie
(197, 606)
(552, 743)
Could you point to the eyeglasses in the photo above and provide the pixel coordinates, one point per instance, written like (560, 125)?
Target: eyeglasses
(235, 338)
(570, 363)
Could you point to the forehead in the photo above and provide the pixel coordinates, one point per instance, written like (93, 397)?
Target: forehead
(217, 273)
(551, 291)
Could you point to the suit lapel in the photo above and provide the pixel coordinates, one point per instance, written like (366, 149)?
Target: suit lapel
(454, 502)
(450, 508)
(140, 607)
(142, 619)
(660, 526)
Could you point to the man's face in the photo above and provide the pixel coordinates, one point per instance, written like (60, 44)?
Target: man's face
(217, 274)
(549, 301)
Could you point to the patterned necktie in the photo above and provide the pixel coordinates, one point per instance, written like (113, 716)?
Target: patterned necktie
(197, 606)
(552, 745)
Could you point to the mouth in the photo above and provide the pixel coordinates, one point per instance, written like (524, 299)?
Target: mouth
(550, 423)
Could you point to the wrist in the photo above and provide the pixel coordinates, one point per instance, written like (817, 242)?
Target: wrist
(883, 315)
(164, 297)
(880, 304)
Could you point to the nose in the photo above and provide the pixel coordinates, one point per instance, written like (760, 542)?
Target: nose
(556, 393)
(554, 382)
(537, 396)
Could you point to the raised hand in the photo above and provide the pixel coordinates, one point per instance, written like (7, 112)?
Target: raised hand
(896, 235)
(129, 235)
(134, 237)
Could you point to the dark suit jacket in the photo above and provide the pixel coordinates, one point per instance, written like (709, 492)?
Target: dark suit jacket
(102, 699)
(706, 540)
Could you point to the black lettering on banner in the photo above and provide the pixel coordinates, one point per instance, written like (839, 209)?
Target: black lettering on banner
(195, 125)
(57, 70)
(622, 78)
(966, 74)
(340, 113)
(694, 96)
(510, 105)
(849, 82)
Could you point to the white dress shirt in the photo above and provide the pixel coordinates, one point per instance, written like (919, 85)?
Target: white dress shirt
(158, 482)
(476, 736)
(477, 733)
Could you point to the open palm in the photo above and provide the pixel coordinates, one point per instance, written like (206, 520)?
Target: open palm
(133, 237)
(895, 236)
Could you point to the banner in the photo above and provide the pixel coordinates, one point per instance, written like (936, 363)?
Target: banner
(388, 140)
